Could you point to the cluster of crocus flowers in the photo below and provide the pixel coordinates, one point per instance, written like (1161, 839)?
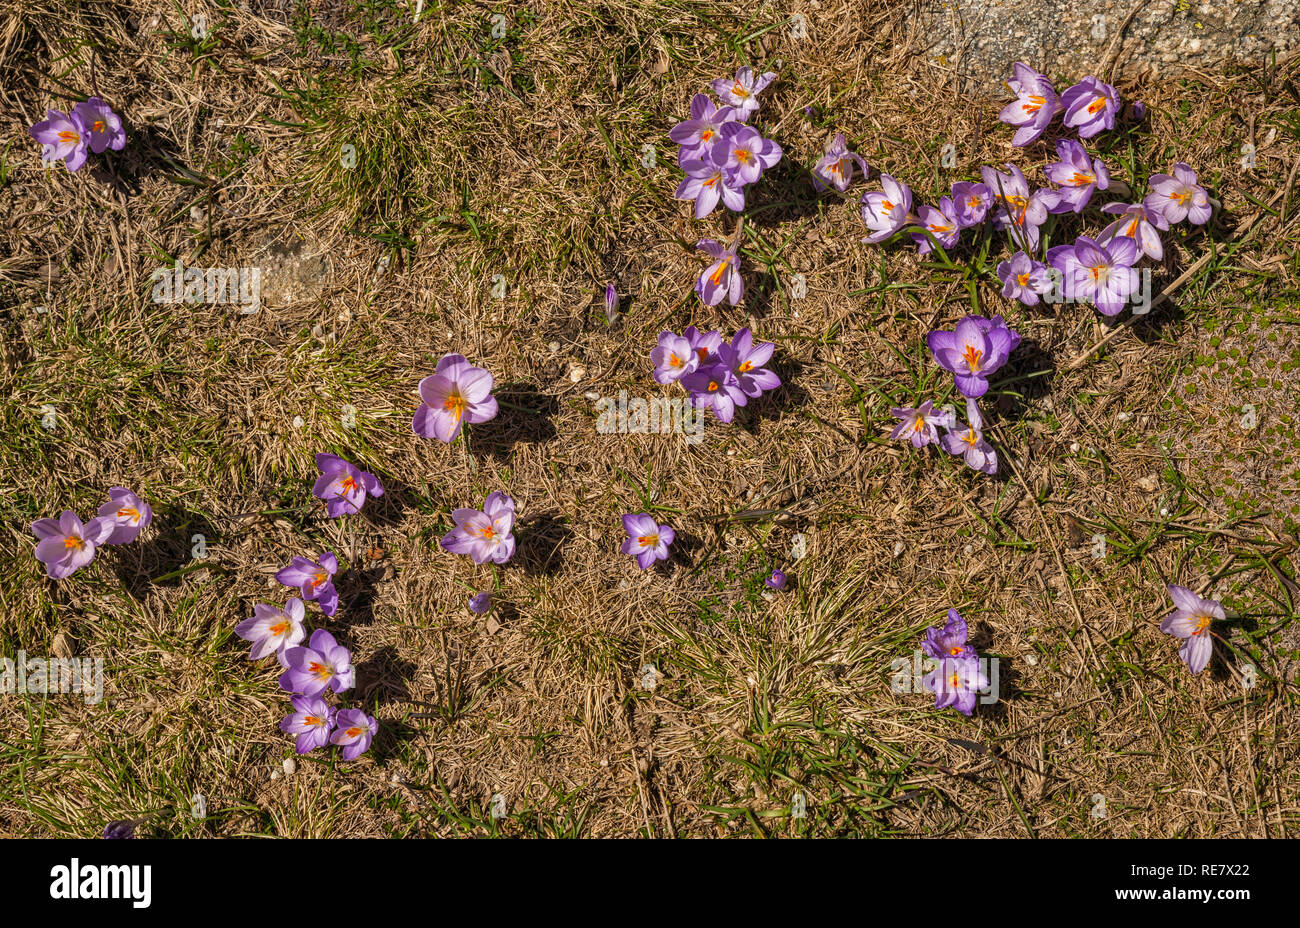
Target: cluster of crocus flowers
(342, 486)
(717, 148)
(1089, 106)
(958, 678)
(718, 375)
(458, 392)
(647, 540)
(1191, 621)
(484, 534)
(66, 544)
(92, 126)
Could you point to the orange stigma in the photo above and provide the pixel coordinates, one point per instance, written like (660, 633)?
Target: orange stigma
(972, 357)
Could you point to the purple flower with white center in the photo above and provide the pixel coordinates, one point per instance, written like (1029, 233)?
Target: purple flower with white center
(272, 630)
(1138, 222)
(65, 545)
(484, 534)
(354, 730)
(956, 682)
(63, 137)
(976, 348)
(1017, 207)
(777, 581)
(1191, 622)
(716, 387)
(128, 513)
(1024, 279)
(887, 212)
(102, 124)
(746, 360)
(315, 579)
(1090, 106)
(1179, 197)
(941, 222)
(312, 720)
(919, 424)
(705, 184)
(742, 154)
(971, 202)
(1076, 175)
(323, 664)
(1034, 106)
(721, 279)
(949, 641)
(742, 93)
(673, 358)
(705, 345)
(968, 443)
(1101, 274)
(697, 134)
(480, 603)
(647, 541)
(835, 168)
(455, 393)
(342, 486)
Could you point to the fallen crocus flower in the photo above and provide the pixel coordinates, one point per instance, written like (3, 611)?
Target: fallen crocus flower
(742, 154)
(746, 360)
(647, 541)
(941, 222)
(354, 730)
(968, 443)
(312, 720)
(716, 387)
(835, 168)
(1090, 106)
(742, 93)
(63, 137)
(273, 630)
(697, 134)
(956, 682)
(128, 513)
(1024, 279)
(1034, 106)
(889, 211)
(920, 424)
(455, 393)
(480, 603)
(1179, 197)
(721, 279)
(102, 124)
(777, 581)
(706, 184)
(315, 579)
(1018, 209)
(975, 349)
(971, 202)
(673, 358)
(1100, 274)
(949, 641)
(322, 664)
(1077, 176)
(1190, 621)
(484, 534)
(65, 545)
(342, 486)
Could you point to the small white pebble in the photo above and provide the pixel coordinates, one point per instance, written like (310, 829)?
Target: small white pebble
(577, 372)
(1124, 416)
(297, 422)
(1074, 447)
(276, 774)
(290, 766)
(1164, 511)
(554, 347)
(968, 549)
(898, 548)
(592, 395)
(1031, 660)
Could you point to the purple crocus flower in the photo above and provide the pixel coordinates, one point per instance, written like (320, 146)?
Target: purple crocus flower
(1191, 622)
(777, 581)
(484, 534)
(885, 213)
(705, 345)
(742, 154)
(1017, 206)
(941, 222)
(746, 360)
(721, 279)
(1077, 175)
(956, 682)
(1138, 222)
(1034, 106)
(65, 545)
(647, 541)
(455, 393)
(697, 134)
(705, 183)
(353, 732)
(312, 720)
(273, 630)
(63, 137)
(968, 443)
(315, 579)
(673, 358)
(1179, 197)
(973, 350)
(611, 304)
(1024, 279)
(102, 124)
(919, 424)
(949, 641)
(122, 829)
(716, 387)
(971, 201)
(742, 93)
(323, 664)
(128, 513)
(480, 603)
(1101, 274)
(342, 486)
(835, 168)
(1090, 106)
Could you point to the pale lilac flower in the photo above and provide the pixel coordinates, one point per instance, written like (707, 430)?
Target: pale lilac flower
(777, 581)
(887, 212)
(103, 126)
(1076, 175)
(647, 541)
(742, 93)
(673, 358)
(480, 603)
(128, 513)
(1090, 106)
(455, 393)
(1024, 279)
(65, 545)
(949, 641)
(835, 168)
(1101, 274)
(63, 137)
(697, 134)
(716, 387)
(1018, 209)
(1191, 622)
(1138, 222)
(312, 720)
(975, 349)
(971, 202)
(272, 630)
(1034, 106)
(968, 443)
(1179, 197)
(742, 154)
(705, 184)
(920, 424)
(354, 730)
(721, 279)
(705, 345)
(956, 682)
(315, 579)
(485, 535)
(342, 486)
(746, 360)
(323, 664)
(941, 222)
